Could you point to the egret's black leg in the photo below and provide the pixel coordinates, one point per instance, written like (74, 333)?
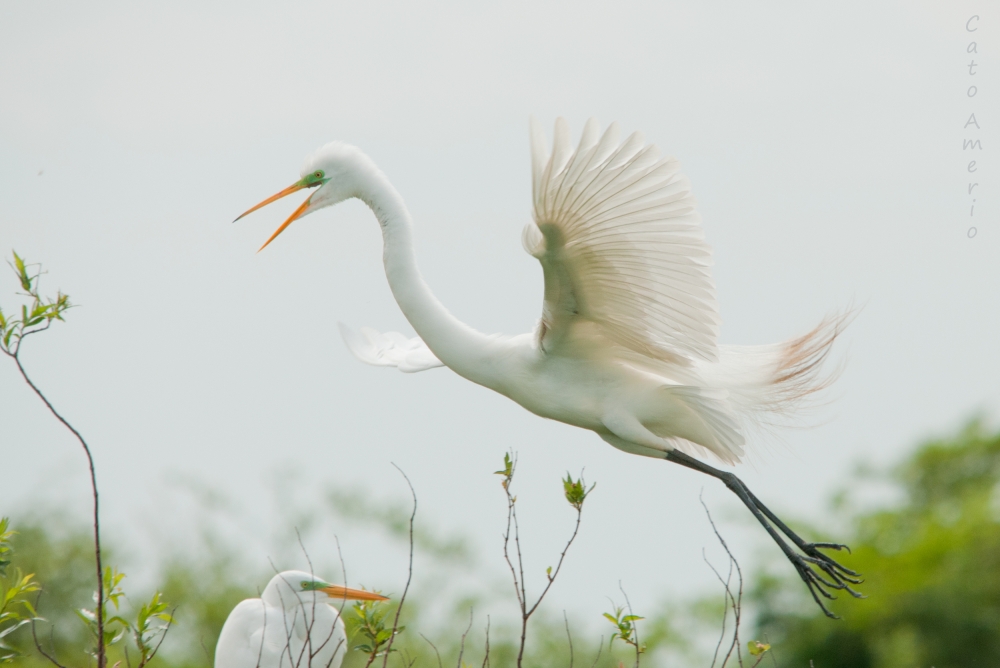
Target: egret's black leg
(837, 576)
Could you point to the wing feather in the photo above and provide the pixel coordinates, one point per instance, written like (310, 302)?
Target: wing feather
(389, 349)
(620, 243)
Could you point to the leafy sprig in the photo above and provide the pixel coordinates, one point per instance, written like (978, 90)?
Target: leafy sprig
(15, 608)
(625, 628)
(151, 624)
(372, 629)
(36, 316)
(576, 491)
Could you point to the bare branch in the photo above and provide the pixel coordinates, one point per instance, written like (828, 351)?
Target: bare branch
(409, 575)
(600, 648)
(433, 647)
(101, 655)
(734, 601)
(569, 638)
(163, 637)
(635, 625)
(38, 645)
(461, 647)
(486, 657)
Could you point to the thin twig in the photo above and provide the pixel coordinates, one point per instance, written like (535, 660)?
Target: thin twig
(600, 648)
(635, 624)
(311, 622)
(461, 646)
(433, 647)
(263, 634)
(569, 638)
(162, 638)
(208, 655)
(562, 557)
(520, 589)
(736, 601)
(486, 658)
(101, 656)
(343, 603)
(336, 650)
(38, 645)
(409, 575)
(771, 652)
(725, 606)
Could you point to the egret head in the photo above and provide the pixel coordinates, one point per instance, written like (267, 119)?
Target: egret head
(337, 171)
(289, 588)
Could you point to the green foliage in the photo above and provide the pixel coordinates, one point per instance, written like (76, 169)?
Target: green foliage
(371, 629)
(114, 626)
(15, 608)
(932, 566)
(508, 469)
(62, 559)
(758, 649)
(576, 491)
(625, 629)
(152, 622)
(36, 316)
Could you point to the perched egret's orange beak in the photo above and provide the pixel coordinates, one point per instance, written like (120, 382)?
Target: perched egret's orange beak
(298, 185)
(344, 593)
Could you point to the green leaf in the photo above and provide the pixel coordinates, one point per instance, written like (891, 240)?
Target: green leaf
(508, 466)
(14, 627)
(30, 608)
(756, 648)
(22, 273)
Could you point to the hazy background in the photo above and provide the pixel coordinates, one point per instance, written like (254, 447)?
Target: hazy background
(824, 145)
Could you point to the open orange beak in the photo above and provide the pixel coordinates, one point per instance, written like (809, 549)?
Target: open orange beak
(344, 593)
(298, 185)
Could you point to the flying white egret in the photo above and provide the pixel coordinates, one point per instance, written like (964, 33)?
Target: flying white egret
(626, 345)
(294, 624)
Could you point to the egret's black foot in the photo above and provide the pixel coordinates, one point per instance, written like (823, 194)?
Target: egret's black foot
(822, 573)
(814, 565)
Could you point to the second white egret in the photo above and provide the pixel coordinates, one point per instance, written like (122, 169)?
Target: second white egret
(294, 624)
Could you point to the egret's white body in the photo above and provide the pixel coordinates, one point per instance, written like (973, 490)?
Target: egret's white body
(288, 626)
(626, 345)
(627, 342)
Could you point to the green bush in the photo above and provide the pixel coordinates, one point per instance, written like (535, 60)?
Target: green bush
(932, 569)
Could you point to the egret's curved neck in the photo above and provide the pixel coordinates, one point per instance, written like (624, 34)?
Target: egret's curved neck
(460, 347)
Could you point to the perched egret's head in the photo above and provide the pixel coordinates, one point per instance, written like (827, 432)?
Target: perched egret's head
(289, 587)
(336, 171)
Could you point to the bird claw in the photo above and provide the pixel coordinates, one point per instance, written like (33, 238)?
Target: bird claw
(840, 577)
(827, 563)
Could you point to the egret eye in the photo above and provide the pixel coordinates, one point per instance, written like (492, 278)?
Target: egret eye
(318, 174)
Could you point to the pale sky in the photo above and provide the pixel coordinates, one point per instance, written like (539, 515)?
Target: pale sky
(824, 145)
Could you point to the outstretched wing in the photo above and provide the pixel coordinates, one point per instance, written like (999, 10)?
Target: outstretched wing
(389, 349)
(619, 240)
